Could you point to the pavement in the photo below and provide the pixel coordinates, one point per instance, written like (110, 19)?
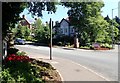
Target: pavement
(71, 71)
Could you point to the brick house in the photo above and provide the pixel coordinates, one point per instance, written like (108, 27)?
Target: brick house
(25, 22)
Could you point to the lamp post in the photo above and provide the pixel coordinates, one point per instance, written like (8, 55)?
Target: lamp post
(113, 29)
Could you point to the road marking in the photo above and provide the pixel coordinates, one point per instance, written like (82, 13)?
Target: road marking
(54, 62)
(92, 71)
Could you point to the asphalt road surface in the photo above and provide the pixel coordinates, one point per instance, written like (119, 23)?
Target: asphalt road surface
(104, 63)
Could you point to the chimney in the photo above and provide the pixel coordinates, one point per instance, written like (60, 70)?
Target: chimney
(35, 18)
(23, 16)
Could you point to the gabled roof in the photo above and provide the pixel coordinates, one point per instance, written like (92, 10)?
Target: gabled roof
(65, 20)
(28, 21)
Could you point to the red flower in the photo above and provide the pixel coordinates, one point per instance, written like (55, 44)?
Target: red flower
(13, 57)
(10, 58)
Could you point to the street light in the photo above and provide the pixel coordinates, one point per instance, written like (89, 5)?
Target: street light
(112, 29)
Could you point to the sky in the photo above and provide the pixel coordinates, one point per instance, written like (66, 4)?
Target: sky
(62, 12)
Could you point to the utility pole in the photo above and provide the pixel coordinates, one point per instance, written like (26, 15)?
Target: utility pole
(51, 25)
(112, 31)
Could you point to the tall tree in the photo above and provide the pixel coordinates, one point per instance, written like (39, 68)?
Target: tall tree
(36, 8)
(42, 32)
(87, 18)
(10, 15)
(11, 11)
(27, 32)
(114, 27)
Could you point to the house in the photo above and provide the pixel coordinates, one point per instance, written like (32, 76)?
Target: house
(25, 22)
(64, 28)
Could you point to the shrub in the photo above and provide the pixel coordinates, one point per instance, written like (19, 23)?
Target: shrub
(20, 72)
(59, 43)
(91, 47)
(106, 45)
(12, 51)
(19, 53)
(29, 38)
(6, 76)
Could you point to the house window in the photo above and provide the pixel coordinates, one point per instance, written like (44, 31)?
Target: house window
(72, 30)
(61, 30)
(65, 30)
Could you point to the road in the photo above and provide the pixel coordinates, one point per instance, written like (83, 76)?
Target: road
(105, 63)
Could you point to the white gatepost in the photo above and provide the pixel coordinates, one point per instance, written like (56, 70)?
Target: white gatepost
(4, 49)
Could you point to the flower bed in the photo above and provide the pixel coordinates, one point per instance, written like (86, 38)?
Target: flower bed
(20, 68)
(102, 48)
(13, 57)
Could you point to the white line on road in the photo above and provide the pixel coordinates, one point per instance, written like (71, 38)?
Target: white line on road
(92, 71)
(54, 62)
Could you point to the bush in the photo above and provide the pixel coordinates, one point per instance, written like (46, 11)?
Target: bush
(91, 47)
(19, 69)
(59, 43)
(29, 38)
(65, 40)
(106, 45)
(12, 51)
(21, 53)
(6, 76)
(85, 47)
(20, 72)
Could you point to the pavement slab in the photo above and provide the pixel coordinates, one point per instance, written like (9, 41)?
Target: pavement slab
(69, 70)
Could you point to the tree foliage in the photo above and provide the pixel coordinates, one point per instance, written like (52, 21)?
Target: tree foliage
(113, 25)
(10, 15)
(11, 11)
(42, 32)
(36, 8)
(87, 18)
(21, 32)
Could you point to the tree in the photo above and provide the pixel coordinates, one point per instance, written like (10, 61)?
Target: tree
(13, 10)
(10, 15)
(21, 32)
(113, 25)
(87, 18)
(42, 32)
(38, 29)
(46, 33)
(36, 8)
(27, 32)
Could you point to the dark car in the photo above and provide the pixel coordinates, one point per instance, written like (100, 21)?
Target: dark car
(19, 41)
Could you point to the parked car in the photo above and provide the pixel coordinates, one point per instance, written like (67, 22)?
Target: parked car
(19, 41)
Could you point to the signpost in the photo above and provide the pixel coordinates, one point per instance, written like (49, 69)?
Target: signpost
(51, 25)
